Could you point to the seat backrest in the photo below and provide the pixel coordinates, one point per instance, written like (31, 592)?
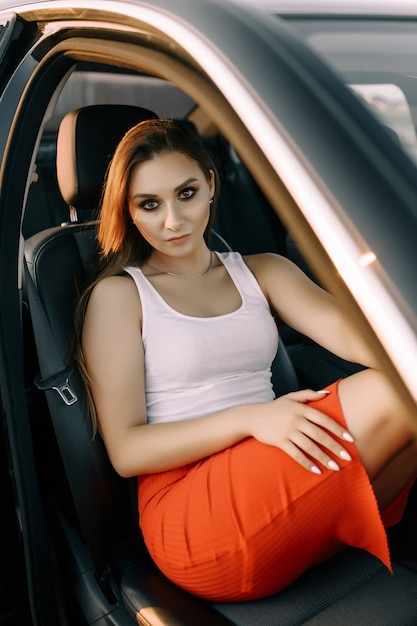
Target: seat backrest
(57, 258)
(87, 139)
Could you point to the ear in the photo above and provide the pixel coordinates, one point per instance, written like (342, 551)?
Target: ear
(212, 184)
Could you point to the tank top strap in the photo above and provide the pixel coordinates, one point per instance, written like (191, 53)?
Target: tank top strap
(241, 275)
(151, 302)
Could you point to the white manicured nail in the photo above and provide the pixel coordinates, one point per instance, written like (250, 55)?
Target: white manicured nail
(315, 469)
(345, 455)
(333, 466)
(348, 437)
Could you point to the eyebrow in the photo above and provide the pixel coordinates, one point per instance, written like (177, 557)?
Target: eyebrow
(154, 195)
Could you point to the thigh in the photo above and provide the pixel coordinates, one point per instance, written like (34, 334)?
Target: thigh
(247, 521)
(376, 419)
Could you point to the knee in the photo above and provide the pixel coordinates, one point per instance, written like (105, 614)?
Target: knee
(377, 419)
(390, 406)
(373, 408)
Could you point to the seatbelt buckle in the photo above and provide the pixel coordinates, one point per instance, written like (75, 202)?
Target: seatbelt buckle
(63, 389)
(66, 393)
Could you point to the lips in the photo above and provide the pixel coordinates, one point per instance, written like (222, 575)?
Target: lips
(178, 240)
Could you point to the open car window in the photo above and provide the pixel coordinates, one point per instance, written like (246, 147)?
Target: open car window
(389, 103)
(90, 86)
(376, 58)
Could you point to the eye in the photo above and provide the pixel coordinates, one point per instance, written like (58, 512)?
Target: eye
(149, 205)
(187, 193)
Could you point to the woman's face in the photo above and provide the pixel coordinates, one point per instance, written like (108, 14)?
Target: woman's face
(169, 201)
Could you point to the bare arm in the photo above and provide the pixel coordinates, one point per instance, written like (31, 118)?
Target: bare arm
(309, 309)
(114, 355)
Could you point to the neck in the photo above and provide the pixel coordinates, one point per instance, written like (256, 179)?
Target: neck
(189, 273)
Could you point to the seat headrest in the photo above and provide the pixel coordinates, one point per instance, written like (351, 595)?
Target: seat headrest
(87, 139)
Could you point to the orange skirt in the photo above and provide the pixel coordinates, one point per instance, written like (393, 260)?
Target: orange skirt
(247, 521)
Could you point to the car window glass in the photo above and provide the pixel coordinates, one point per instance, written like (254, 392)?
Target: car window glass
(389, 104)
(91, 87)
(377, 58)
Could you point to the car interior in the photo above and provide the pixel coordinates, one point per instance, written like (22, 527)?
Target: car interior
(91, 511)
(102, 573)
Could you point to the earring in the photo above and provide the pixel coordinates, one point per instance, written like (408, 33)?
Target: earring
(211, 201)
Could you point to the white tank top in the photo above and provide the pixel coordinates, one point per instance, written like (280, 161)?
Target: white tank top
(195, 366)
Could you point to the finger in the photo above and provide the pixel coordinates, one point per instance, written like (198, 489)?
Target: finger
(317, 436)
(324, 421)
(297, 454)
(307, 395)
(315, 452)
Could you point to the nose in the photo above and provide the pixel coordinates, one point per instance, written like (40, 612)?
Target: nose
(173, 219)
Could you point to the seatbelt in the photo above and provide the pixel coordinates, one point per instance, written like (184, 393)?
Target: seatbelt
(63, 389)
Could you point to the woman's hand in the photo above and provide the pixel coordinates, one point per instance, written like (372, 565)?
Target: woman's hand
(301, 431)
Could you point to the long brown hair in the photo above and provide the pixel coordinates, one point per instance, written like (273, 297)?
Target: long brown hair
(120, 244)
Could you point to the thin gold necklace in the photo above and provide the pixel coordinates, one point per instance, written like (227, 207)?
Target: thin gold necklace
(155, 269)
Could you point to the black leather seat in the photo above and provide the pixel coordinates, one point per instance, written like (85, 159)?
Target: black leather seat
(95, 521)
(244, 216)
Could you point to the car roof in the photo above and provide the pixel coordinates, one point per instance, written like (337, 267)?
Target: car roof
(336, 7)
(354, 8)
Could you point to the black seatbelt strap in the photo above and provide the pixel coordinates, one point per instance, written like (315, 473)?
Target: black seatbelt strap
(54, 374)
(64, 389)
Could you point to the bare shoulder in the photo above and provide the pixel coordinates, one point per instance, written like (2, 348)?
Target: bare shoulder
(277, 276)
(115, 296)
(268, 263)
(116, 287)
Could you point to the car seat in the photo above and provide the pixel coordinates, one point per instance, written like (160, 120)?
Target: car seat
(240, 200)
(108, 571)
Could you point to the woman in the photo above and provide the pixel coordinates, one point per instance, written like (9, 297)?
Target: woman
(239, 492)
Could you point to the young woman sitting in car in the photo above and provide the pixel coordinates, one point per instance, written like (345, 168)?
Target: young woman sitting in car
(239, 492)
